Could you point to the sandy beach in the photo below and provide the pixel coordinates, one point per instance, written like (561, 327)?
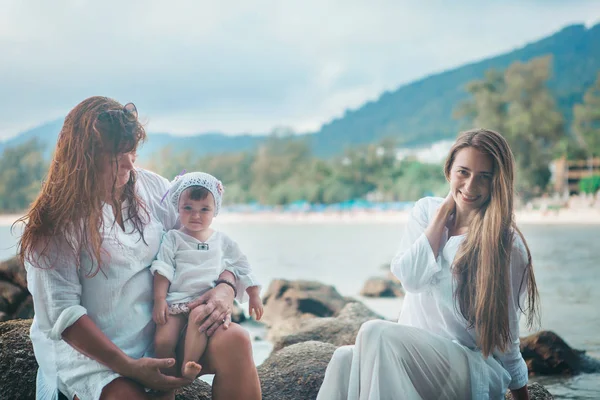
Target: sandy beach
(585, 216)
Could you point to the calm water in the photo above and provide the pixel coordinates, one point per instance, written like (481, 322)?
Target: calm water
(346, 254)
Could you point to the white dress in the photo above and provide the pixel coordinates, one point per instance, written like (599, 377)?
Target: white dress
(430, 353)
(192, 266)
(119, 300)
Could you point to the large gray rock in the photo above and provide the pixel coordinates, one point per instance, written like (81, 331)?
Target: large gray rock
(536, 392)
(287, 303)
(381, 287)
(546, 353)
(237, 315)
(11, 296)
(12, 270)
(296, 372)
(18, 367)
(198, 390)
(13, 291)
(339, 331)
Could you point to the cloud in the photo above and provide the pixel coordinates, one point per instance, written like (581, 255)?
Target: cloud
(236, 66)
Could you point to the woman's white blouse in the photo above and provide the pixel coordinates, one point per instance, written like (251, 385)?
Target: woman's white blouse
(192, 268)
(119, 298)
(429, 303)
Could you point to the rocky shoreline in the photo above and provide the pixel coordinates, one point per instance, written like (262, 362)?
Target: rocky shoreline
(306, 322)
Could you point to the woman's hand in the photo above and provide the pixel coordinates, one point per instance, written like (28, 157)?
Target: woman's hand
(449, 205)
(160, 311)
(440, 220)
(146, 371)
(216, 306)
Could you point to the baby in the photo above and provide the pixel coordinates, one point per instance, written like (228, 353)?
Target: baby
(188, 263)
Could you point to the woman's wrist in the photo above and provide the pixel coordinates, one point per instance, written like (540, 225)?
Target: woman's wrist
(445, 211)
(226, 282)
(123, 365)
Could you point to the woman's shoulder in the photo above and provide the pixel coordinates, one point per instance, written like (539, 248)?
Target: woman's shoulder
(151, 185)
(151, 179)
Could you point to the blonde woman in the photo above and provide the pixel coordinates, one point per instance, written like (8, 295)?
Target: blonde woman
(467, 272)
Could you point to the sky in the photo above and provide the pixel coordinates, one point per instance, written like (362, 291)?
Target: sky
(247, 66)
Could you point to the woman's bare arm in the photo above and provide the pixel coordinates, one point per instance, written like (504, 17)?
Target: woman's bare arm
(89, 340)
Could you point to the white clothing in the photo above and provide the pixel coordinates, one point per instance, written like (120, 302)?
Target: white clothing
(392, 361)
(429, 305)
(192, 270)
(118, 298)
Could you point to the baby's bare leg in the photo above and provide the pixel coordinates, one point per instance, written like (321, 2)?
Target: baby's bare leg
(195, 345)
(166, 338)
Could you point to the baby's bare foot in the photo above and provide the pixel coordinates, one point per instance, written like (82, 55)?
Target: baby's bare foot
(190, 370)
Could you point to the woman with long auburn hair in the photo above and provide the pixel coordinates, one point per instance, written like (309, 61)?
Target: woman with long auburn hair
(467, 273)
(88, 242)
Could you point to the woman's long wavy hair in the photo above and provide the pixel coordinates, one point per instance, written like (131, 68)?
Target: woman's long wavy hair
(69, 205)
(482, 264)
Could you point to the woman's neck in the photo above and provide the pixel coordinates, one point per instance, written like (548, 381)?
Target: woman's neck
(459, 225)
(118, 195)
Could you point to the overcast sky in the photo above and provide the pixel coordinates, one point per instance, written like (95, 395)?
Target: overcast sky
(246, 66)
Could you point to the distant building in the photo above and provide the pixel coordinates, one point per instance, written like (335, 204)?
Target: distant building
(566, 174)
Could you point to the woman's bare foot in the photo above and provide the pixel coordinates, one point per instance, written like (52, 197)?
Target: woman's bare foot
(190, 370)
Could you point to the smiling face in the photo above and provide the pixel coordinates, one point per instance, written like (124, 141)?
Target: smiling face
(471, 179)
(196, 209)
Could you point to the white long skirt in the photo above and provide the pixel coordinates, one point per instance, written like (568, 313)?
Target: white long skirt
(393, 361)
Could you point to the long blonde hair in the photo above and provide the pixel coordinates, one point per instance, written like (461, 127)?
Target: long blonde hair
(482, 264)
(69, 206)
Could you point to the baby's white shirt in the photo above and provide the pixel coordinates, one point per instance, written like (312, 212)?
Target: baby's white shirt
(192, 265)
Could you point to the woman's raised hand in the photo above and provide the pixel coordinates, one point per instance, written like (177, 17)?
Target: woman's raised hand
(215, 309)
(449, 204)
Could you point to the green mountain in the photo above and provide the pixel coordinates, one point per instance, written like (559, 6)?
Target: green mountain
(421, 112)
(415, 114)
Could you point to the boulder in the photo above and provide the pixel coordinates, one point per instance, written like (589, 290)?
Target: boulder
(197, 390)
(339, 331)
(18, 367)
(25, 309)
(238, 316)
(536, 392)
(287, 303)
(296, 372)
(13, 290)
(381, 287)
(546, 353)
(12, 270)
(11, 296)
